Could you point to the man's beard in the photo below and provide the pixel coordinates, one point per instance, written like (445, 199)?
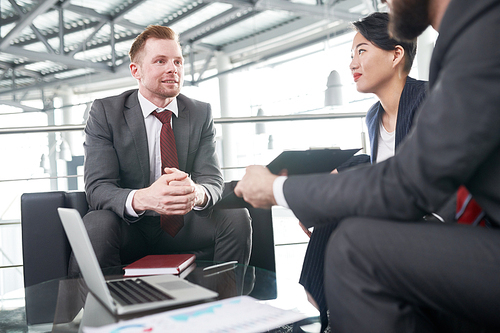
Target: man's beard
(408, 18)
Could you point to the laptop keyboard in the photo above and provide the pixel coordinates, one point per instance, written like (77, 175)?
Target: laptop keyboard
(128, 292)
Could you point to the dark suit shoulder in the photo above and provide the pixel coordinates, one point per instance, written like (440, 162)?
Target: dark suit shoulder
(459, 16)
(114, 106)
(413, 94)
(202, 110)
(416, 86)
(123, 96)
(371, 115)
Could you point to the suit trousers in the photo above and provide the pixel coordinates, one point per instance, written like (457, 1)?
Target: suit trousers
(311, 276)
(384, 276)
(223, 236)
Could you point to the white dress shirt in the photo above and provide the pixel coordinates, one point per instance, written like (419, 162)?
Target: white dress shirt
(153, 130)
(386, 143)
(279, 196)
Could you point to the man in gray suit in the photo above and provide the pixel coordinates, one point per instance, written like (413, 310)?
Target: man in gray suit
(386, 271)
(126, 185)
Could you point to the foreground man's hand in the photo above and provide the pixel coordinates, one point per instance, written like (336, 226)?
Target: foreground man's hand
(174, 193)
(200, 195)
(256, 187)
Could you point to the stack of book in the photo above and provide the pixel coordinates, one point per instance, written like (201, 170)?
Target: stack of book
(160, 264)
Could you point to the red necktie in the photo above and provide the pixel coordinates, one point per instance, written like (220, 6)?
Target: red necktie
(468, 211)
(170, 223)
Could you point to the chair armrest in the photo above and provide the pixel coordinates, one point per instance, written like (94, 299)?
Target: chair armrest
(45, 247)
(46, 252)
(78, 201)
(263, 255)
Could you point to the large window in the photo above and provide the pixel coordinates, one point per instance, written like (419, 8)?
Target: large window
(291, 85)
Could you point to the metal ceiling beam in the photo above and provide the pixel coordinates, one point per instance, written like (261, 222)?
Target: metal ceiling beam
(236, 3)
(88, 39)
(124, 66)
(118, 18)
(205, 46)
(272, 36)
(5, 65)
(56, 34)
(42, 39)
(105, 19)
(25, 21)
(61, 29)
(202, 28)
(140, 28)
(77, 80)
(97, 25)
(221, 27)
(129, 25)
(10, 19)
(85, 11)
(191, 62)
(317, 11)
(50, 80)
(126, 9)
(4, 74)
(37, 33)
(65, 60)
(205, 65)
(112, 44)
(186, 14)
(22, 70)
(133, 26)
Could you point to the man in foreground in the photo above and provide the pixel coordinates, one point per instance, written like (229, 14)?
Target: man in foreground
(151, 170)
(383, 271)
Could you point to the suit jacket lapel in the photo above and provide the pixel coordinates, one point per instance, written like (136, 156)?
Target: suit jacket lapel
(135, 121)
(181, 133)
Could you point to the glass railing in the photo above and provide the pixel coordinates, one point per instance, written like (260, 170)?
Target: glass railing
(46, 158)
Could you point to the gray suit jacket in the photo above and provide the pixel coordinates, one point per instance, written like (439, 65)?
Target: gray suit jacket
(455, 139)
(116, 150)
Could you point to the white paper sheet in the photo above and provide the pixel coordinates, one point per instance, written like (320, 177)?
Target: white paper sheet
(242, 314)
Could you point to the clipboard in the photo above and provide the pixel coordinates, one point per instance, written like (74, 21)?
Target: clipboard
(295, 162)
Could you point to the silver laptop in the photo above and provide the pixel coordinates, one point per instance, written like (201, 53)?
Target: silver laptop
(127, 295)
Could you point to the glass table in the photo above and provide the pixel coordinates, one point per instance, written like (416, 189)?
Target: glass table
(261, 284)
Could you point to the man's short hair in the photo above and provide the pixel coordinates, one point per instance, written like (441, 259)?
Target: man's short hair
(374, 28)
(152, 31)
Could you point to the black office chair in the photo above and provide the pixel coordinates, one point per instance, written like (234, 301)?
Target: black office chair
(46, 249)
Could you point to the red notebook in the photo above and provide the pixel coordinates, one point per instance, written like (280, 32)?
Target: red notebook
(160, 264)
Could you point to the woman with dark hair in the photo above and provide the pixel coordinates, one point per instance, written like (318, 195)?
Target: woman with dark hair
(380, 65)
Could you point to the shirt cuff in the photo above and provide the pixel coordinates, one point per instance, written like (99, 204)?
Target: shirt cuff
(128, 205)
(279, 196)
(208, 200)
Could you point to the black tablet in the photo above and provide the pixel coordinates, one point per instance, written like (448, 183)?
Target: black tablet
(295, 162)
